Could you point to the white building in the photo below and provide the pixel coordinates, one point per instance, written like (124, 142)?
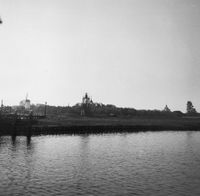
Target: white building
(26, 104)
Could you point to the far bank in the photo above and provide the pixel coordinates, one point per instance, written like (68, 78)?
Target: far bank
(89, 125)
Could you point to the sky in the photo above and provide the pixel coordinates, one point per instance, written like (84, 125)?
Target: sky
(131, 53)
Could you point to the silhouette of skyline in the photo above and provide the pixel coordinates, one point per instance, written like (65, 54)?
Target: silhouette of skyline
(142, 54)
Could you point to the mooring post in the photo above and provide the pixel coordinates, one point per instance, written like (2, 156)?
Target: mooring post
(14, 129)
(30, 125)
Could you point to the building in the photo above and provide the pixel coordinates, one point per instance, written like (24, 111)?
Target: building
(166, 109)
(26, 103)
(85, 105)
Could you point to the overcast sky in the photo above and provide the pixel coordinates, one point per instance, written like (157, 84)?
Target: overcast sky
(131, 53)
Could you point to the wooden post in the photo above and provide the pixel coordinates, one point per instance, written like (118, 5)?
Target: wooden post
(30, 125)
(14, 131)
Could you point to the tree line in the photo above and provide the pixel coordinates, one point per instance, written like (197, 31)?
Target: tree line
(103, 110)
(109, 110)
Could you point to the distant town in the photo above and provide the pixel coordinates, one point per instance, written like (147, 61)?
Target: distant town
(88, 108)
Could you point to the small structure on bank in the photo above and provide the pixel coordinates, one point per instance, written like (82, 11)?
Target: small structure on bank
(166, 109)
(5, 109)
(86, 105)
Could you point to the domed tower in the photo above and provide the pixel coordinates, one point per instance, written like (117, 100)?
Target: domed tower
(26, 103)
(85, 105)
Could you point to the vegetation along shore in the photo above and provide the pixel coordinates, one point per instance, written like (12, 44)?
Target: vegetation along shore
(89, 117)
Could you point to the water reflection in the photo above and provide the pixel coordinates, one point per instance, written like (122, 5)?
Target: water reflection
(192, 146)
(28, 142)
(84, 148)
(84, 141)
(1, 143)
(18, 141)
(13, 139)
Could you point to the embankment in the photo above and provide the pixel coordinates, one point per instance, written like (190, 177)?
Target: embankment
(103, 125)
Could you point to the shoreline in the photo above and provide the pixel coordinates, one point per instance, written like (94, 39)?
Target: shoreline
(77, 130)
(99, 126)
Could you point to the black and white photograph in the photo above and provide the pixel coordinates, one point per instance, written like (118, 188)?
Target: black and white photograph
(99, 97)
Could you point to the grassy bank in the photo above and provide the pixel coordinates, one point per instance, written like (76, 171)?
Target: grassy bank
(109, 125)
(114, 121)
(86, 125)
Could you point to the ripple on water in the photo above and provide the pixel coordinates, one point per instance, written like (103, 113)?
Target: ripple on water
(152, 163)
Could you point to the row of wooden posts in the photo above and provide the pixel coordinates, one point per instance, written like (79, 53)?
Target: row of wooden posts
(23, 122)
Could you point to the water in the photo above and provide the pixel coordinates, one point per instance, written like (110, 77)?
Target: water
(152, 163)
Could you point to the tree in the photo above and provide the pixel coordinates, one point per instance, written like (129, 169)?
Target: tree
(190, 108)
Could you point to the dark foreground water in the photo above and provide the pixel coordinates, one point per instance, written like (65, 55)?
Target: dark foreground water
(152, 163)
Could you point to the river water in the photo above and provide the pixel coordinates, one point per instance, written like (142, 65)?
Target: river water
(150, 163)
